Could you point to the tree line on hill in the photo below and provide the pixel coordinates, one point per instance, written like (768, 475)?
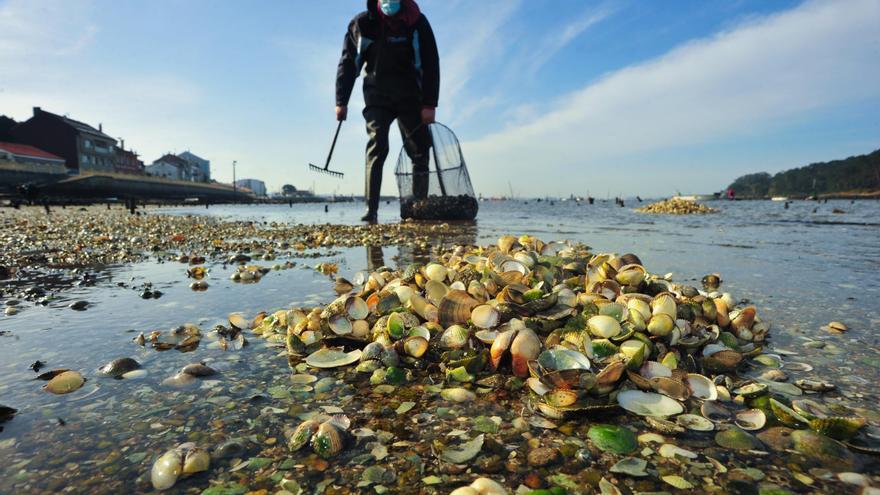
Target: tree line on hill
(856, 174)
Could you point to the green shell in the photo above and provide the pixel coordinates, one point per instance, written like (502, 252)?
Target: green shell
(737, 439)
(840, 428)
(787, 415)
(302, 434)
(613, 438)
(822, 451)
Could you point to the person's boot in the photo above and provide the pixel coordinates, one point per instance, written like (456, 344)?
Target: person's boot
(371, 216)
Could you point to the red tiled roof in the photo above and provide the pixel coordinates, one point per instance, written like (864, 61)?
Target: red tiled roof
(26, 150)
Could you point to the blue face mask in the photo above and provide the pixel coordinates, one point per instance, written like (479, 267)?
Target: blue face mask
(390, 7)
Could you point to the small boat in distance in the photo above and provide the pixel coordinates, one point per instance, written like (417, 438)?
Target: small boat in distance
(779, 198)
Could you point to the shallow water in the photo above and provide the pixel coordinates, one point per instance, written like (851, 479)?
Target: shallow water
(802, 267)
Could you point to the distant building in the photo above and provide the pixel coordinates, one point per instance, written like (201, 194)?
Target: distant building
(176, 168)
(289, 191)
(35, 158)
(204, 166)
(82, 147)
(170, 167)
(258, 187)
(126, 161)
(6, 125)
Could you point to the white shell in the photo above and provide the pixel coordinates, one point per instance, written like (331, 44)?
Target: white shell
(701, 387)
(340, 325)
(648, 404)
(695, 422)
(332, 358)
(357, 308)
(603, 326)
(485, 486)
(751, 419)
(485, 316)
(436, 272)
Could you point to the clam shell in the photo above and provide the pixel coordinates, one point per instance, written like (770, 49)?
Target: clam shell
(694, 422)
(670, 387)
(65, 382)
(436, 272)
(198, 369)
(340, 325)
(328, 440)
(701, 387)
(660, 325)
(651, 369)
(664, 303)
(485, 316)
(239, 321)
(436, 291)
(500, 346)
(750, 419)
(415, 346)
(456, 307)
(119, 367)
(561, 359)
(454, 337)
(166, 470)
(196, 461)
(526, 346)
(458, 394)
(332, 358)
(604, 326)
(302, 434)
(485, 486)
(396, 326)
(356, 308)
(648, 404)
(179, 380)
(744, 319)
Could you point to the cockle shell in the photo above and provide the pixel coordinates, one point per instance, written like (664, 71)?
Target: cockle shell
(65, 382)
(166, 470)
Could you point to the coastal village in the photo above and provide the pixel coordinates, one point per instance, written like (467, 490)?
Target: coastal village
(47, 146)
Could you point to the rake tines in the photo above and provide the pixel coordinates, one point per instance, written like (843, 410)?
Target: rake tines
(326, 168)
(327, 171)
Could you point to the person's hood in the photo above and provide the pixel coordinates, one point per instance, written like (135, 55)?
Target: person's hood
(409, 13)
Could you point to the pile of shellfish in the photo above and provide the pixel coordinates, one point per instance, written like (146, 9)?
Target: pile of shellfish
(676, 206)
(588, 333)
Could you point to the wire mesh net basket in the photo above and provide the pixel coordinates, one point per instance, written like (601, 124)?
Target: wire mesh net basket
(432, 177)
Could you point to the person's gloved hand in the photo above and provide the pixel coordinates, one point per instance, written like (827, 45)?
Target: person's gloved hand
(341, 113)
(428, 115)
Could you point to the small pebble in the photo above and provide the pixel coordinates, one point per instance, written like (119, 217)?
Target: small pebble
(543, 456)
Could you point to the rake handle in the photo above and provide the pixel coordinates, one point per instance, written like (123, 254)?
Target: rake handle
(333, 146)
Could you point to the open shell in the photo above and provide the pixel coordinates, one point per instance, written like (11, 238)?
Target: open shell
(648, 404)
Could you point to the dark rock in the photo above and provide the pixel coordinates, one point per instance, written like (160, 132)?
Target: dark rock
(79, 305)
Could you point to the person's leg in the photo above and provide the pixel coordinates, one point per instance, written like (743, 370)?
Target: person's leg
(378, 123)
(417, 146)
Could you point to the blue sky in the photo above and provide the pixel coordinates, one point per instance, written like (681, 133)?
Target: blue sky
(553, 96)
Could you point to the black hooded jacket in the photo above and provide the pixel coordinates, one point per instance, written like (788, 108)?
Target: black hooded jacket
(398, 66)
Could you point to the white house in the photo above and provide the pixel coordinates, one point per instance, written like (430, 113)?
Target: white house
(170, 167)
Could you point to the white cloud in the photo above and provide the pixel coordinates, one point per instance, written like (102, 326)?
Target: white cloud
(31, 28)
(560, 38)
(471, 43)
(737, 83)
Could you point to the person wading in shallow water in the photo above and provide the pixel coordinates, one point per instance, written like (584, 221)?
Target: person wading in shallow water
(394, 44)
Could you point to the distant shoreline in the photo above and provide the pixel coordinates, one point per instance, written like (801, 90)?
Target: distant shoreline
(874, 194)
